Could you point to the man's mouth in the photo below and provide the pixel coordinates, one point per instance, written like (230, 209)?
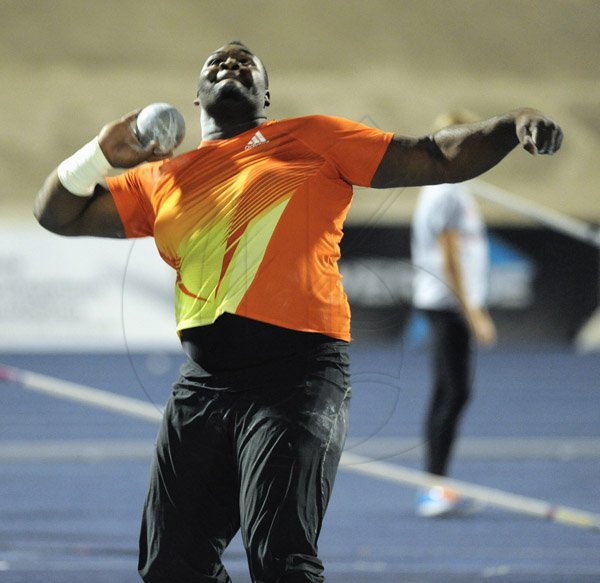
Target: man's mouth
(226, 76)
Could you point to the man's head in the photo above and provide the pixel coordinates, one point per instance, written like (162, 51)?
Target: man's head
(233, 81)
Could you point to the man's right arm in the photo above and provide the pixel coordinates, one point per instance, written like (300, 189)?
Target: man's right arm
(92, 212)
(61, 212)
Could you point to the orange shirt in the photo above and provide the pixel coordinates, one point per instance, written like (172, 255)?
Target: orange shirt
(252, 224)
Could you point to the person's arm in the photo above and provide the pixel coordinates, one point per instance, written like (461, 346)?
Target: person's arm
(61, 212)
(461, 152)
(92, 211)
(478, 318)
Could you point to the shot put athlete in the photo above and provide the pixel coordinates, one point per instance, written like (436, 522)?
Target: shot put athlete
(251, 221)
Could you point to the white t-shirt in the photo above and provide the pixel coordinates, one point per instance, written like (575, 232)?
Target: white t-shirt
(439, 208)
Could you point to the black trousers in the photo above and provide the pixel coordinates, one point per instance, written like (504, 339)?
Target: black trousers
(451, 357)
(262, 460)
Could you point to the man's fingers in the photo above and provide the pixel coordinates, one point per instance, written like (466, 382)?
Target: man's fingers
(545, 138)
(529, 145)
(154, 153)
(559, 140)
(124, 146)
(551, 140)
(541, 136)
(131, 115)
(557, 137)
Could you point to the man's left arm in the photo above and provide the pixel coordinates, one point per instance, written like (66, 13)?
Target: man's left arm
(461, 152)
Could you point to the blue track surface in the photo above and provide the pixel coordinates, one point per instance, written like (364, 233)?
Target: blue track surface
(73, 478)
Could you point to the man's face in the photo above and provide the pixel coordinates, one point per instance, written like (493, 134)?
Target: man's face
(232, 73)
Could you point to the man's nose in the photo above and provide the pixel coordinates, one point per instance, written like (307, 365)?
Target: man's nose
(230, 63)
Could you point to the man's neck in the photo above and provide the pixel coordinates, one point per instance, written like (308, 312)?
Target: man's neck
(214, 129)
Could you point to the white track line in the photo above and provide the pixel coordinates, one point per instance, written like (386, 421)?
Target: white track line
(494, 497)
(350, 461)
(81, 394)
(587, 232)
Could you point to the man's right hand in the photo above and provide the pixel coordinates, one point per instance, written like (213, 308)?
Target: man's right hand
(121, 146)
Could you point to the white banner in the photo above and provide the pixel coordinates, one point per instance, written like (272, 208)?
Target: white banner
(83, 293)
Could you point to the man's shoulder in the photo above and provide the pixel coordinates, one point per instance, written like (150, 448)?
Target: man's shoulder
(316, 120)
(319, 131)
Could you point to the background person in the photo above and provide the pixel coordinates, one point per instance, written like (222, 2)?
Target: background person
(450, 256)
(253, 432)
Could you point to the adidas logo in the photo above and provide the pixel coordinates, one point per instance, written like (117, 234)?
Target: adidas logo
(257, 140)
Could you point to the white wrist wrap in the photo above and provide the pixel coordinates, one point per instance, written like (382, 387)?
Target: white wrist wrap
(80, 173)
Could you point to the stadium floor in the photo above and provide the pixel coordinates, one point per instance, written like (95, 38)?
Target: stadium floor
(72, 477)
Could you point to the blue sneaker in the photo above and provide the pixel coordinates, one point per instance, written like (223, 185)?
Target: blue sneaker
(440, 501)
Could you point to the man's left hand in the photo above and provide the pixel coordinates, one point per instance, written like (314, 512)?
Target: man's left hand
(537, 133)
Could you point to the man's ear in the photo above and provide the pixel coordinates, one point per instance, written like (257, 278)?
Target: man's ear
(267, 98)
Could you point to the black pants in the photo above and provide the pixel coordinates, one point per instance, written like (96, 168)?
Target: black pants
(451, 356)
(262, 460)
